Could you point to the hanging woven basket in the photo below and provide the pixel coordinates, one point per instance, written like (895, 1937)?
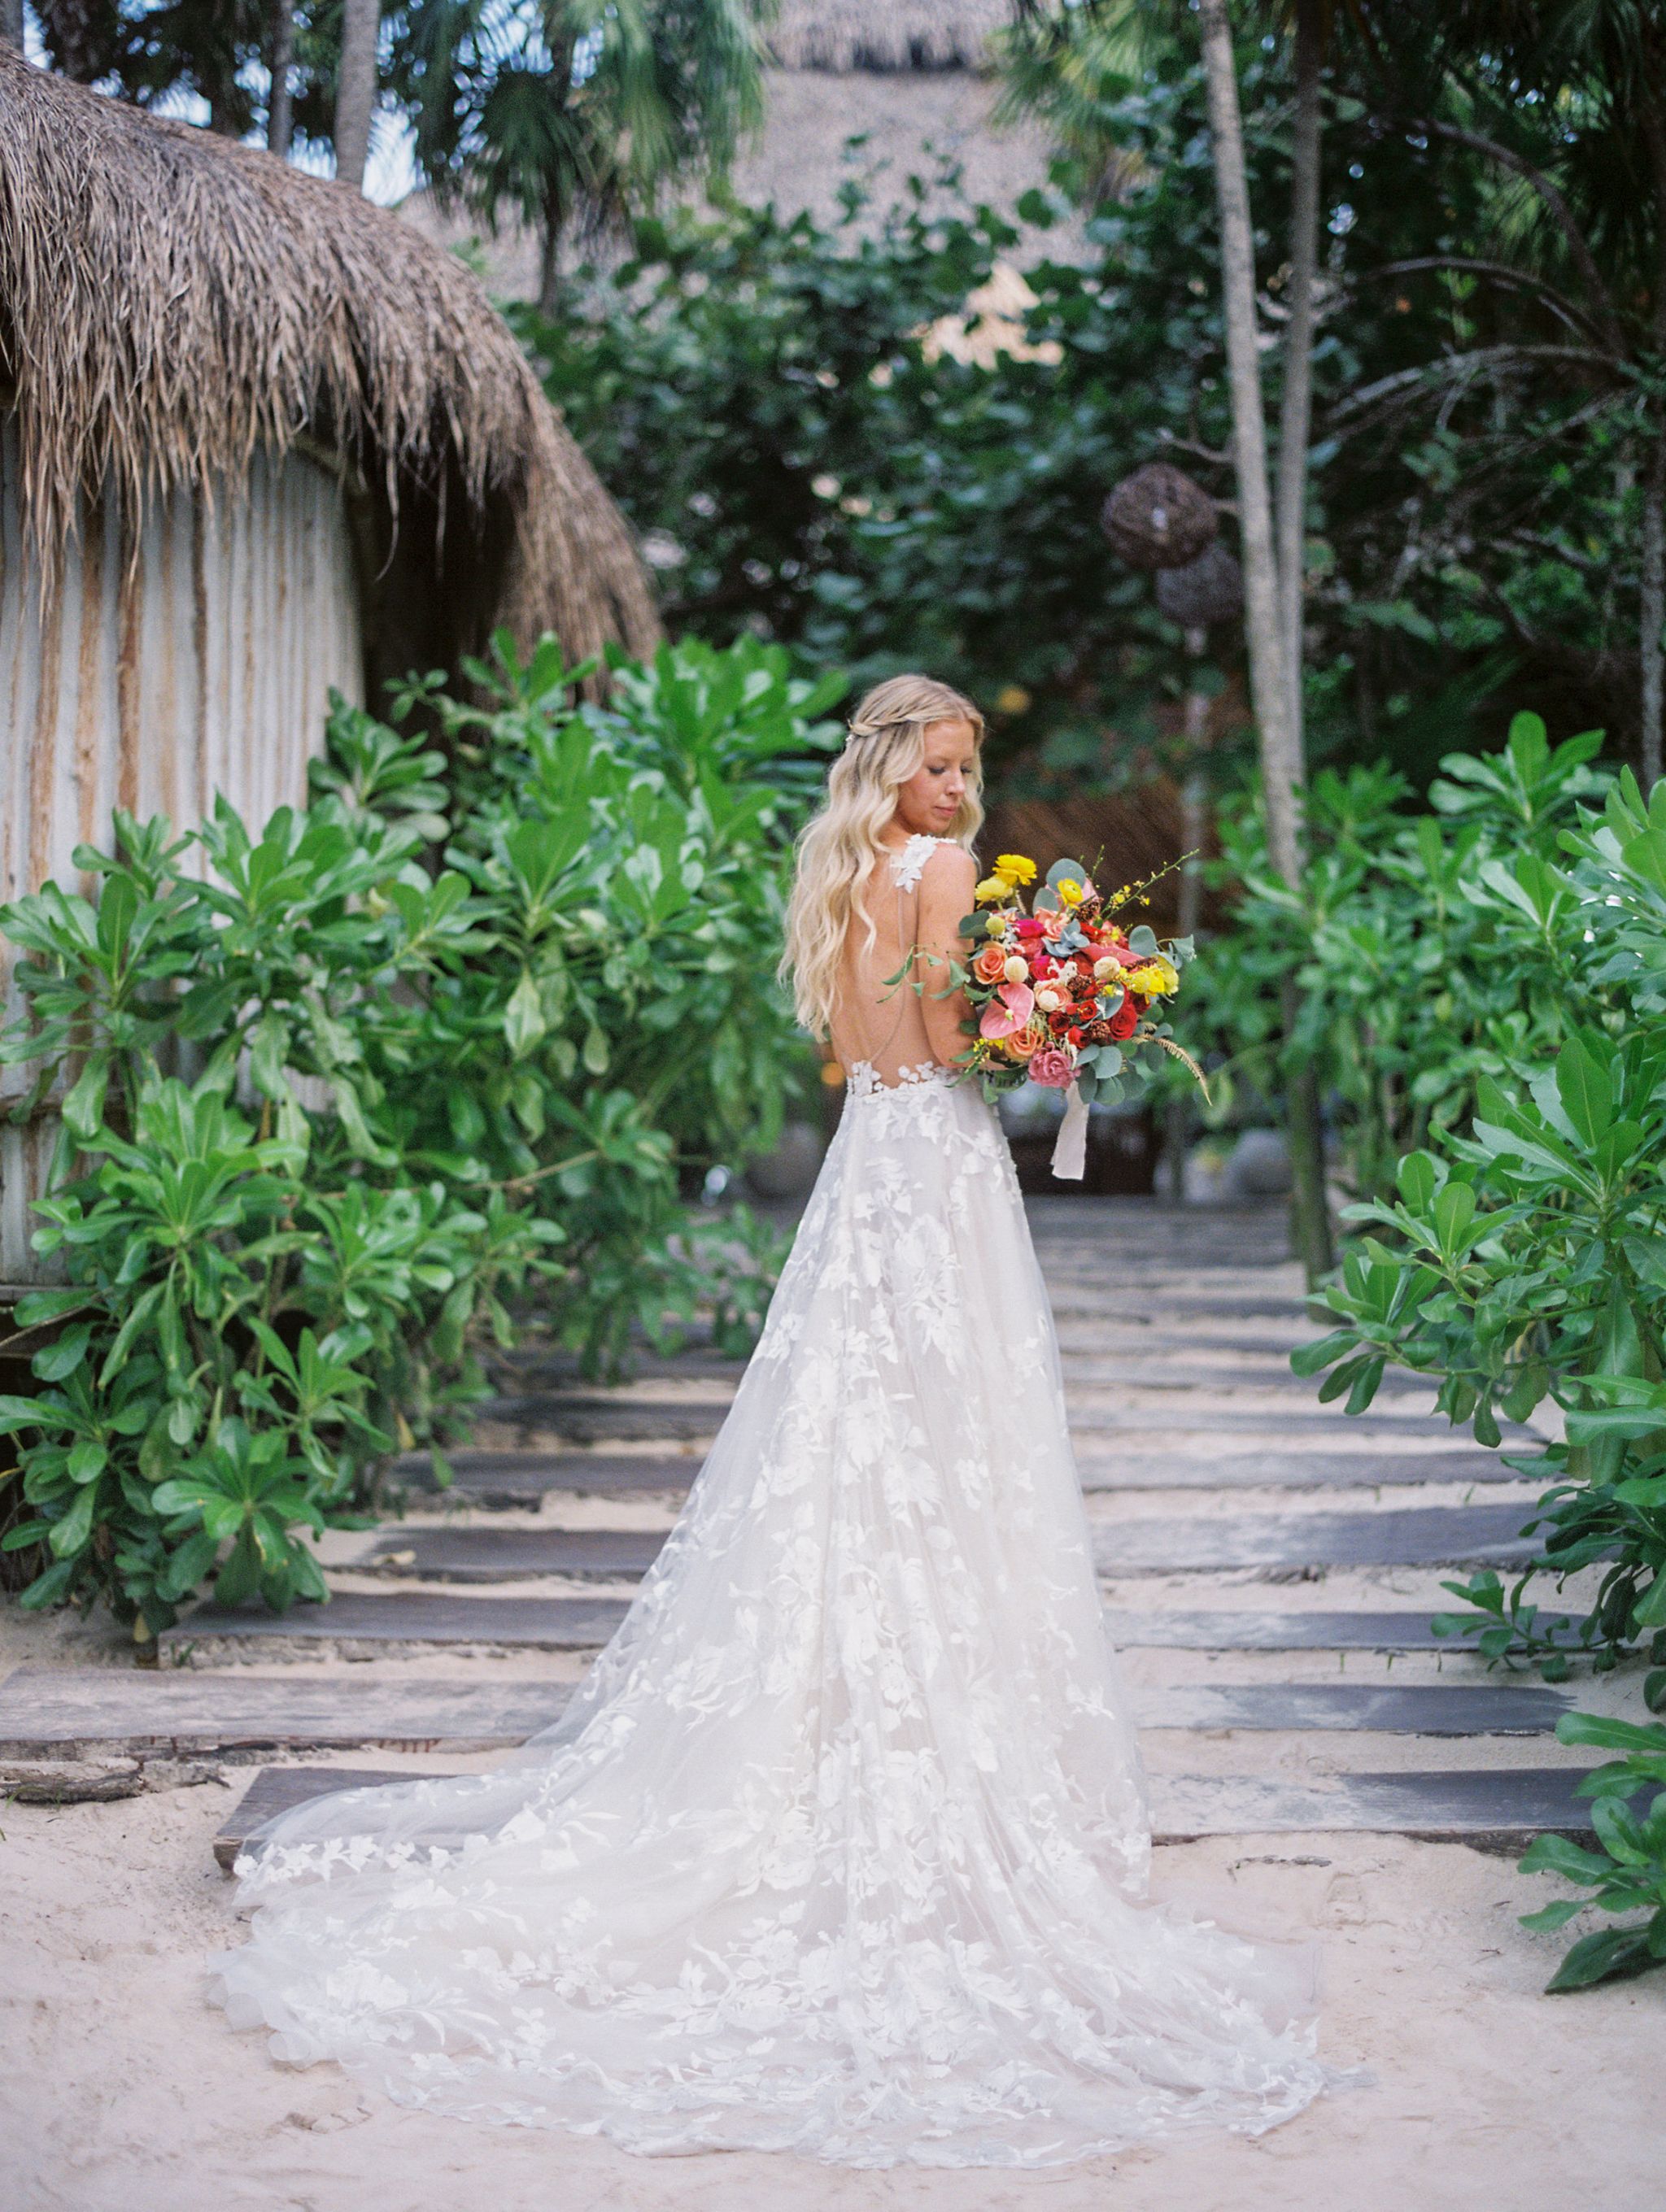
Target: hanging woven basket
(1157, 518)
(1207, 590)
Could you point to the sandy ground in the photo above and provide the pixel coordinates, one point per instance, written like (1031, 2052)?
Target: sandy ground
(121, 2092)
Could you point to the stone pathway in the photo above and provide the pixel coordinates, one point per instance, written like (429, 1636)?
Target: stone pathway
(1269, 1568)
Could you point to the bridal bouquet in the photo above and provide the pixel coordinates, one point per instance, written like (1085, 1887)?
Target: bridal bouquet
(1061, 994)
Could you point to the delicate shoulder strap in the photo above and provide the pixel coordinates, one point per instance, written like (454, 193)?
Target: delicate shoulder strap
(908, 866)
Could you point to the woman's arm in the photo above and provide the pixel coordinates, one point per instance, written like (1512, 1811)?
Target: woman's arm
(945, 898)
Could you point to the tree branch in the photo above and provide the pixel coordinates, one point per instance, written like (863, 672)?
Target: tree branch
(1560, 213)
(1500, 271)
(1480, 358)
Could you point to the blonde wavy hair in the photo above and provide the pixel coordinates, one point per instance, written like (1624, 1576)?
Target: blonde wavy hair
(839, 847)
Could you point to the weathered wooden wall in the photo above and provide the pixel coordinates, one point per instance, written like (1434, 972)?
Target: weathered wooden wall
(1136, 831)
(204, 665)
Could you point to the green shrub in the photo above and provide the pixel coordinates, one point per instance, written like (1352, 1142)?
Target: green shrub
(1518, 1257)
(1627, 1873)
(1428, 949)
(335, 1101)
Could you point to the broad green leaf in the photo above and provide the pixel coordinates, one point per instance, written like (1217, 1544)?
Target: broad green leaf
(1418, 1176)
(1600, 1732)
(524, 1022)
(55, 1361)
(76, 1529)
(1610, 1955)
(87, 1461)
(1586, 1092)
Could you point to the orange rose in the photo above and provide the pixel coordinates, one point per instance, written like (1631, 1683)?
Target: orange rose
(990, 964)
(1025, 1042)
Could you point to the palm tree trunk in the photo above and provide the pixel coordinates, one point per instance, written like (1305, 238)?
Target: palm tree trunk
(1290, 502)
(1194, 827)
(1653, 612)
(11, 24)
(1269, 674)
(280, 107)
(548, 263)
(1268, 685)
(355, 88)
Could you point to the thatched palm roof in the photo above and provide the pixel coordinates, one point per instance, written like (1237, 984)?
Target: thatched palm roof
(884, 34)
(170, 302)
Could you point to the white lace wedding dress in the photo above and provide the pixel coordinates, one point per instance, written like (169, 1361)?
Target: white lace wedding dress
(841, 1848)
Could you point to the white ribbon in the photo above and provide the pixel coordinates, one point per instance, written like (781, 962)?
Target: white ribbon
(1070, 1152)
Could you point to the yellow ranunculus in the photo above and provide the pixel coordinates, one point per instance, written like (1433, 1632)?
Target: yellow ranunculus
(1154, 979)
(1016, 868)
(992, 889)
(1071, 893)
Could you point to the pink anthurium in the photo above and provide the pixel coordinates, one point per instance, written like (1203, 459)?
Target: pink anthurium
(1008, 1012)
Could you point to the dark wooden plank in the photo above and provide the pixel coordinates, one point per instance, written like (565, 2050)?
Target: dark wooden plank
(1438, 1535)
(1157, 1628)
(1492, 1809)
(490, 1555)
(1414, 1536)
(375, 1621)
(1273, 1422)
(1288, 1470)
(1385, 1708)
(510, 1478)
(1091, 1376)
(596, 1419)
(534, 1368)
(91, 1713)
(87, 1712)
(1084, 1342)
(352, 1618)
(1088, 1304)
(274, 1789)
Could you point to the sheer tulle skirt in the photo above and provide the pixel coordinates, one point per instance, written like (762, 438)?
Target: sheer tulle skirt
(842, 1845)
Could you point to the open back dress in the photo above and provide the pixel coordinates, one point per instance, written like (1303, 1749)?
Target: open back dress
(840, 1847)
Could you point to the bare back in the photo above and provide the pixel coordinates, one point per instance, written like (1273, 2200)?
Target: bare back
(881, 1021)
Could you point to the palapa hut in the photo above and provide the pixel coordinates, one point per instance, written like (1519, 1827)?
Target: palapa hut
(912, 78)
(257, 439)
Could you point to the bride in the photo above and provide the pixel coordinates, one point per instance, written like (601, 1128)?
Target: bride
(841, 1848)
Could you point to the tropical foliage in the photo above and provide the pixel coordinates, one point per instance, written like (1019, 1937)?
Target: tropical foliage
(1626, 1872)
(343, 1085)
(1422, 960)
(571, 112)
(1515, 1253)
(824, 440)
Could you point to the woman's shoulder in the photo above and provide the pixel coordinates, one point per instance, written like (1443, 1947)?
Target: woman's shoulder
(933, 862)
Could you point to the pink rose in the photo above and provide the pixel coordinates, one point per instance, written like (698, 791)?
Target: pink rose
(1053, 1067)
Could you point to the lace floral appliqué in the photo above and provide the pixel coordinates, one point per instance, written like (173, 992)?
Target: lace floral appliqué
(841, 1846)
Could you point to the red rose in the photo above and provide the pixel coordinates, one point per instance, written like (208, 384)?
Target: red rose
(1123, 1022)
